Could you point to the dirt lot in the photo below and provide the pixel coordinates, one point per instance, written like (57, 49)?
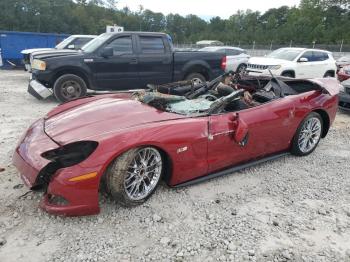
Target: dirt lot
(292, 209)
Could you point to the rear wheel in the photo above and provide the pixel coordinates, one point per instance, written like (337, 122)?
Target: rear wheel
(308, 135)
(241, 68)
(134, 175)
(68, 87)
(328, 74)
(197, 78)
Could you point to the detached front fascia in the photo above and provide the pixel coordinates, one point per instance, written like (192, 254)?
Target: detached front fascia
(80, 195)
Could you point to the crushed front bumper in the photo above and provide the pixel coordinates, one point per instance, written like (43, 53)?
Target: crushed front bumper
(38, 90)
(80, 198)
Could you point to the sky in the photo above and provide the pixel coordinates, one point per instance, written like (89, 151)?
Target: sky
(205, 8)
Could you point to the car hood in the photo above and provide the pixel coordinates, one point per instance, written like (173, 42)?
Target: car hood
(268, 61)
(91, 117)
(32, 50)
(55, 53)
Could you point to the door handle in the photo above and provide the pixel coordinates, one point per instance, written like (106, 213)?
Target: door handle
(134, 61)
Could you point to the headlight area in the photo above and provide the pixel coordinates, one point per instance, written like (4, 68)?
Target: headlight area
(38, 64)
(62, 157)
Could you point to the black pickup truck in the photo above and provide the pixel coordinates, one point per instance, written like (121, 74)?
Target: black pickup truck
(119, 61)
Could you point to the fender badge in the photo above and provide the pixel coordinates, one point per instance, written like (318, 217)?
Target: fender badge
(88, 60)
(182, 149)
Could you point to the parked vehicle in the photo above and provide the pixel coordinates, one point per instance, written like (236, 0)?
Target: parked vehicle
(294, 62)
(73, 42)
(344, 73)
(182, 133)
(343, 61)
(236, 58)
(120, 61)
(204, 43)
(344, 95)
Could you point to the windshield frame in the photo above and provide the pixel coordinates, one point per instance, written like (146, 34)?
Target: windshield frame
(277, 54)
(96, 43)
(65, 42)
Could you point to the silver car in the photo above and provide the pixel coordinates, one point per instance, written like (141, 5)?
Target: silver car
(236, 58)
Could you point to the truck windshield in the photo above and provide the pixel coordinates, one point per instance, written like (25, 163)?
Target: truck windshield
(95, 43)
(285, 54)
(64, 43)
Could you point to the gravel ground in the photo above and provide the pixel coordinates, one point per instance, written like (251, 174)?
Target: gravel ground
(291, 209)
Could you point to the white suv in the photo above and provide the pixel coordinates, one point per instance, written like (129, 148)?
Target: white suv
(295, 62)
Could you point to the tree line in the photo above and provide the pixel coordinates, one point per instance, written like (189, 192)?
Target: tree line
(323, 21)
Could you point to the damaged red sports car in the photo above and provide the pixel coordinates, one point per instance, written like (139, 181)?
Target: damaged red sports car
(182, 133)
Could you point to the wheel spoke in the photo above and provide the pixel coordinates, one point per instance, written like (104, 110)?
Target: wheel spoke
(309, 135)
(143, 173)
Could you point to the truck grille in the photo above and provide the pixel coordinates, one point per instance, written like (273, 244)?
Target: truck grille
(259, 67)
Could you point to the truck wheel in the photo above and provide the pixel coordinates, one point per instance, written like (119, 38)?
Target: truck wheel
(196, 77)
(69, 87)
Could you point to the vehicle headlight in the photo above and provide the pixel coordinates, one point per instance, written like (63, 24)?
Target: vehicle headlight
(71, 154)
(39, 65)
(347, 71)
(275, 67)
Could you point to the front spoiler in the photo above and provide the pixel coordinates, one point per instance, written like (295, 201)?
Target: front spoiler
(38, 90)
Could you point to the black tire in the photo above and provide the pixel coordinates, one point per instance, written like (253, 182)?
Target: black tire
(296, 147)
(241, 68)
(68, 87)
(120, 171)
(328, 74)
(196, 76)
(288, 74)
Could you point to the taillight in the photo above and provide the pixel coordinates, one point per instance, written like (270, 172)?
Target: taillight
(223, 63)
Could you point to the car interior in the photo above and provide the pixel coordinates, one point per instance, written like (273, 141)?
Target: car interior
(227, 93)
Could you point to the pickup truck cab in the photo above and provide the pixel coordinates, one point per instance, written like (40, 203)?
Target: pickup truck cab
(120, 61)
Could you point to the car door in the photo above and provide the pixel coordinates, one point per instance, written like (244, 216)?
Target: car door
(268, 131)
(306, 69)
(118, 72)
(321, 63)
(155, 60)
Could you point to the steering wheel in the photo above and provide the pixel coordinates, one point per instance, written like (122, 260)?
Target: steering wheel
(210, 97)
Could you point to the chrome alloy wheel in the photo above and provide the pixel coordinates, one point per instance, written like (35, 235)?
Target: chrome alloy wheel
(310, 134)
(143, 173)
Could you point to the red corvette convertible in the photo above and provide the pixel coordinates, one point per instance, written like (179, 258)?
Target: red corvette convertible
(182, 133)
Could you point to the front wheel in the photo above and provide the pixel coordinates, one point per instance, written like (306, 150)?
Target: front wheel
(68, 87)
(133, 176)
(308, 135)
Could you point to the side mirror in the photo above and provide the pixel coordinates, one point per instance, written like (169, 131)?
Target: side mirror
(303, 60)
(71, 47)
(107, 52)
(241, 133)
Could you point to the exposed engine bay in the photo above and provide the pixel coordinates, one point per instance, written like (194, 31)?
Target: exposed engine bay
(229, 92)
